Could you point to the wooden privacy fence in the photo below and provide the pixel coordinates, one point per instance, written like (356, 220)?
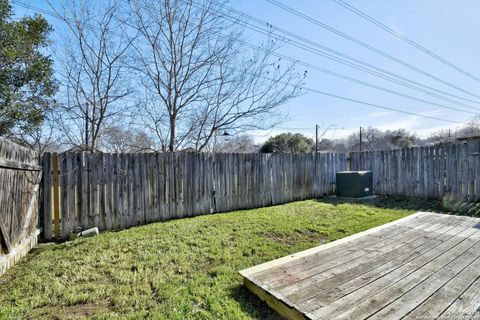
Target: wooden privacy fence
(20, 176)
(450, 171)
(116, 191)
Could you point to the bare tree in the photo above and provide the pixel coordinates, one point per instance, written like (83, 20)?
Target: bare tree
(239, 144)
(326, 144)
(399, 138)
(118, 139)
(471, 128)
(198, 75)
(42, 138)
(375, 139)
(440, 137)
(93, 68)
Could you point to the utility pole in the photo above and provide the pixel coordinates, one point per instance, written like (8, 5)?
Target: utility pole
(316, 138)
(360, 139)
(361, 157)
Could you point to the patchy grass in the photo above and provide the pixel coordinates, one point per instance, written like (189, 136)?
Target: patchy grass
(181, 269)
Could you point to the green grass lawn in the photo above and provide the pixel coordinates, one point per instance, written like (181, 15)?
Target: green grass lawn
(180, 269)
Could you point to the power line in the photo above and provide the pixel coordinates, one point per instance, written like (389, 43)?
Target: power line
(332, 73)
(357, 65)
(378, 105)
(373, 73)
(461, 43)
(301, 46)
(355, 80)
(404, 38)
(374, 105)
(52, 14)
(367, 46)
(324, 92)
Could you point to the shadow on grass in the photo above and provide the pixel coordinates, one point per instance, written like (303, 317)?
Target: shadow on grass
(411, 203)
(252, 305)
(397, 203)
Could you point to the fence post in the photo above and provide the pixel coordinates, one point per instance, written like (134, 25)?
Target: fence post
(56, 195)
(47, 196)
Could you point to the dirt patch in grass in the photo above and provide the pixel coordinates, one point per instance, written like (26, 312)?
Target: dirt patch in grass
(77, 311)
(297, 236)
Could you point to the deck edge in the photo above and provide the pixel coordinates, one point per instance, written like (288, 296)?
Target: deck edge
(274, 302)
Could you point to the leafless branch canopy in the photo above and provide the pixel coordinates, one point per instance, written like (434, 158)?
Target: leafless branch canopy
(93, 69)
(198, 78)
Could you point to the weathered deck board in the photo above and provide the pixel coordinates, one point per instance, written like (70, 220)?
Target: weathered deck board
(424, 265)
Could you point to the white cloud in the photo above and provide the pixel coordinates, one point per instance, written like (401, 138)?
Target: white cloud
(408, 123)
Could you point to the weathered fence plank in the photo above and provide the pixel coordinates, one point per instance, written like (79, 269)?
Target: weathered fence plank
(449, 172)
(116, 191)
(56, 195)
(476, 160)
(47, 196)
(20, 176)
(64, 195)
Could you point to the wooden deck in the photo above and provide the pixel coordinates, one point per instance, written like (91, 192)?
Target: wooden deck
(423, 266)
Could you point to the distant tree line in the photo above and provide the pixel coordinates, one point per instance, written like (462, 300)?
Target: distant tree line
(372, 139)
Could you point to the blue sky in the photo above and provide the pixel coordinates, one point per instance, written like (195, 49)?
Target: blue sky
(448, 28)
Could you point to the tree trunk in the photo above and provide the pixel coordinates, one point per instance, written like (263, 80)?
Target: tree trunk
(171, 144)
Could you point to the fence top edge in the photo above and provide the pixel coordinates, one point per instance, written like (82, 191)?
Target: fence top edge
(6, 141)
(322, 153)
